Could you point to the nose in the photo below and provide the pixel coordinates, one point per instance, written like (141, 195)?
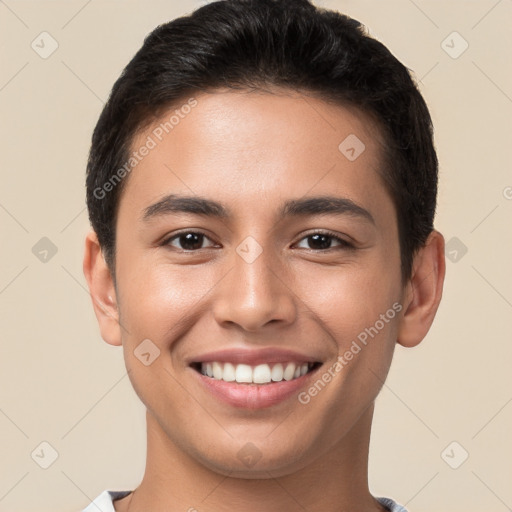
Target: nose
(255, 293)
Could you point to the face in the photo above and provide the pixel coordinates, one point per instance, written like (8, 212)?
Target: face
(276, 255)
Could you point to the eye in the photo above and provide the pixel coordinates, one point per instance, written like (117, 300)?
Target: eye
(324, 241)
(193, 241)
(188, 241)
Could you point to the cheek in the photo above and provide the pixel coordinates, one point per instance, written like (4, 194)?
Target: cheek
(348, 300)
(158, 303)
(359, 308)
(158, 300)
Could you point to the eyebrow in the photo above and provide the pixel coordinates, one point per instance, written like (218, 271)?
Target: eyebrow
(320, 205)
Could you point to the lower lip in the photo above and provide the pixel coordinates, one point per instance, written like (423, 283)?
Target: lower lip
(254, 396)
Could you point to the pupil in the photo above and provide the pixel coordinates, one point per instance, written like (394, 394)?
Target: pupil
(190, 240)
(325, 241)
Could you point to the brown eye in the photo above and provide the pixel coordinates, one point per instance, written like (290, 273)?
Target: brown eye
(187, 241)
(325, 241)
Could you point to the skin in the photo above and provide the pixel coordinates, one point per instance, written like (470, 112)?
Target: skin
(251, 152)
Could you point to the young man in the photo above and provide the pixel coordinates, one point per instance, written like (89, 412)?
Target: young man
(261, 187)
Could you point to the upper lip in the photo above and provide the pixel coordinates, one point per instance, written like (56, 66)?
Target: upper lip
(253, 356)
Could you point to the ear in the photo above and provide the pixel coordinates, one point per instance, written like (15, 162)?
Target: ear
(423, 291)
(102, 290)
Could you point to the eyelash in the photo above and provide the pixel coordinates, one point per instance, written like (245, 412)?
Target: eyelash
(344, 244)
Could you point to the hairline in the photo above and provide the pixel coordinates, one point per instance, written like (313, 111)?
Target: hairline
(370, 120)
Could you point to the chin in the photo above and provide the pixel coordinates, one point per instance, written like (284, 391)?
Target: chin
(253, 463)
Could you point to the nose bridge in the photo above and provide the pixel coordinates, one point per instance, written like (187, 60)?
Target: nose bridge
(253, 269)
(254, 292)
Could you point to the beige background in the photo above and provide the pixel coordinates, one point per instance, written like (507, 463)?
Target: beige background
(60, 383)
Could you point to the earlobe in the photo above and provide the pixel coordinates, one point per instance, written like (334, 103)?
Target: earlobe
(102, 290)
(423, 292)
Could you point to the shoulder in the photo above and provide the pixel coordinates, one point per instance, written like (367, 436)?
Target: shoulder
(104, 502)
(391, 505)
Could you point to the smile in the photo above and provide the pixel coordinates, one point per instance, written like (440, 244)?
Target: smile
(257, 374)
(254, 378)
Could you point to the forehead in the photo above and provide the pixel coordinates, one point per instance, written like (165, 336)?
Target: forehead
(248, 147)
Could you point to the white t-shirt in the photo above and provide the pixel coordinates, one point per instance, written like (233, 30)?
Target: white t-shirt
(103, 503)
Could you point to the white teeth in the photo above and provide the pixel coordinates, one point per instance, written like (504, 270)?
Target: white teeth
(259, 374)
(289, 371)
(243, 373)
(217, 371)
(229, 372)
(277, 372)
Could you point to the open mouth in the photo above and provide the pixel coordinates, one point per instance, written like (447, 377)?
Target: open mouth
(261, 374)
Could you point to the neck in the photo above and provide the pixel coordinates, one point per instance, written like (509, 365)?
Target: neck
(174, 481)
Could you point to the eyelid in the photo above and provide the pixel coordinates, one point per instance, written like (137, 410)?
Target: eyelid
(166, 241)
(342, 241)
